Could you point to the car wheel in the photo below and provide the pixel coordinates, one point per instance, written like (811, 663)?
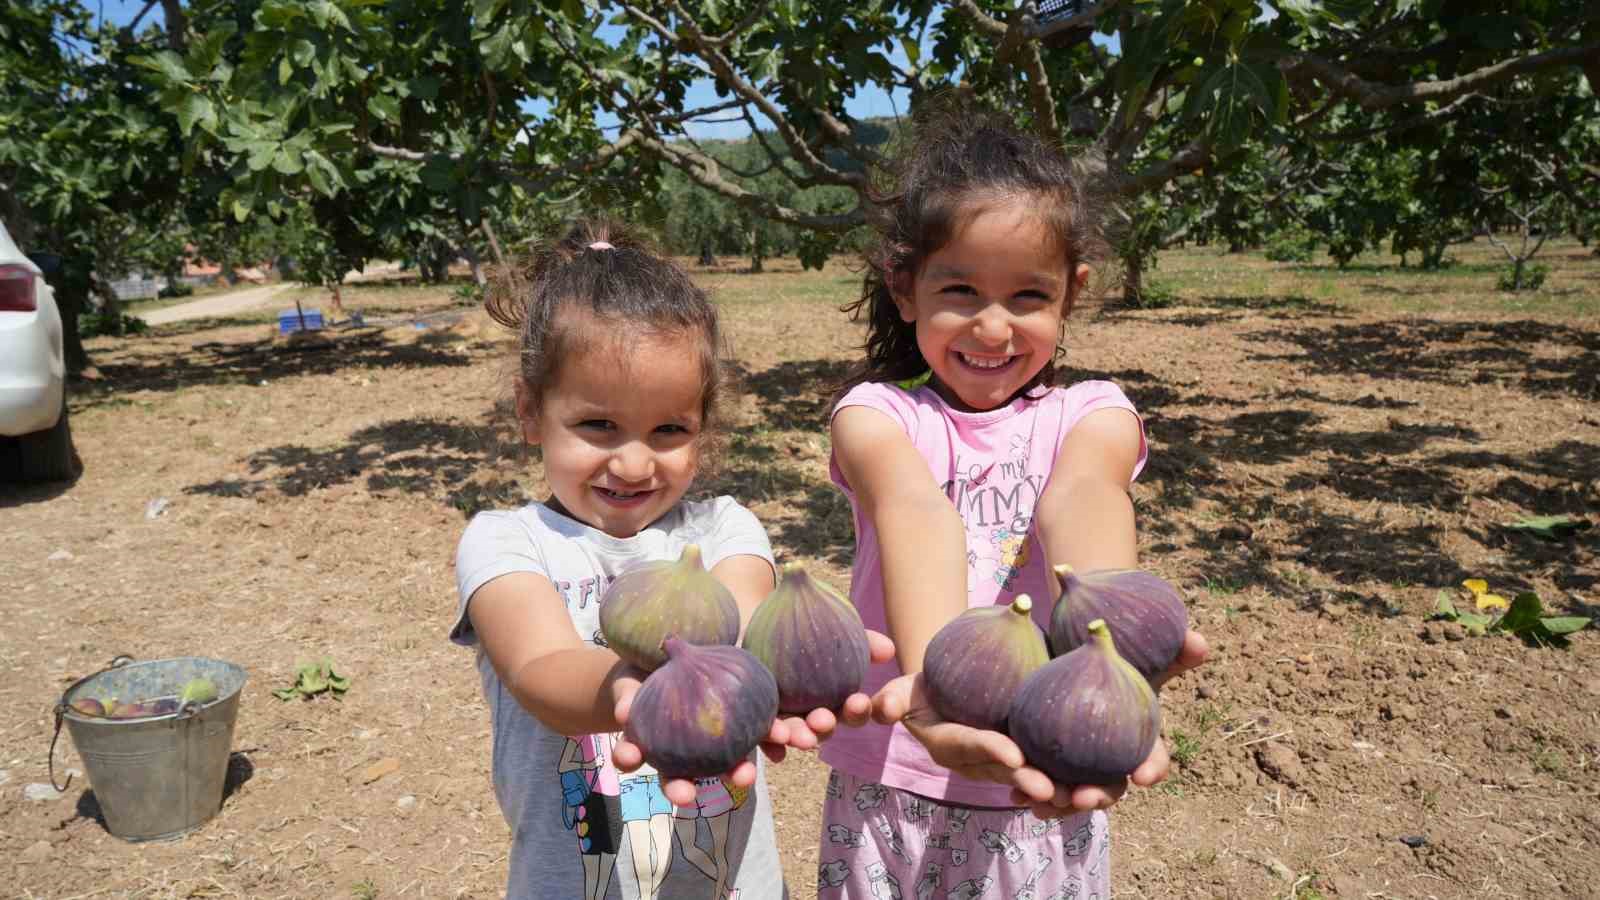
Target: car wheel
(46, 455)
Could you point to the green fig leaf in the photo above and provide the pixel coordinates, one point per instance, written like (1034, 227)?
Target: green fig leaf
(1445, 608)
(1524, 614)
(1564, 624)
(1551, 528)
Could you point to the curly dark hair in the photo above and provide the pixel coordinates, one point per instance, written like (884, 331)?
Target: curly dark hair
(627, 287)
(957, 160)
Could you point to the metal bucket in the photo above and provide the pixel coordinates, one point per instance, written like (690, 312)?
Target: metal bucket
(158, 777)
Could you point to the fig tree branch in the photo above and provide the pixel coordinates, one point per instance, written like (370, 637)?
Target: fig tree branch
(1373, 95)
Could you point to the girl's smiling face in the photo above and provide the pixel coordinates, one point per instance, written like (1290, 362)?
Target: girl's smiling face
(987, 306)
(619, 428)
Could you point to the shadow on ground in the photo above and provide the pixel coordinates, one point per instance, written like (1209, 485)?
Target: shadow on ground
(414, 456)
(251, 363)
(1196, 472)
(1449, 353)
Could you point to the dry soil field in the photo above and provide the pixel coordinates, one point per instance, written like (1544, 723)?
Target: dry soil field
(1329, 451)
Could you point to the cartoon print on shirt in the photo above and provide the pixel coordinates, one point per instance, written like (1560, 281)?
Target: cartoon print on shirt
(713, 804)
(958, 856)
(996, 842)
(932, 879)
(884, 886)
(971, 889)
(1038, 828)
(834, 790)
(592, 809)
(919, 808)
(647, 817)
(838, 834)
(832, 874)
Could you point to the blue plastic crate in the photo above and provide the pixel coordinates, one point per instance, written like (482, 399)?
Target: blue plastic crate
(289, 321)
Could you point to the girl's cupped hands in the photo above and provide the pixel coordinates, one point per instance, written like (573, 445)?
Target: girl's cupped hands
(991, 756)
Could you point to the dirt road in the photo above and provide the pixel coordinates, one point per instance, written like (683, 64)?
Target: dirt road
(217, 305)
(247, 298)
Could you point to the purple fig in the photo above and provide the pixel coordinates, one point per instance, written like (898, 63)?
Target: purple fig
(812, 641)
(88, 706)
(646, 603)
(703, 711)
(1145, 613)
(1087, 717)
(977, 661)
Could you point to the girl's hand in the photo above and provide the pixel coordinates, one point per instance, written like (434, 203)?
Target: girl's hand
(799, 733)
(819, 724)
(991, 756)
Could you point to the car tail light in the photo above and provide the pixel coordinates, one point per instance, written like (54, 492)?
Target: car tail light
(17, 291)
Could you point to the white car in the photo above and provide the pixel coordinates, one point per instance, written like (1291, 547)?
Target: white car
(35, 444)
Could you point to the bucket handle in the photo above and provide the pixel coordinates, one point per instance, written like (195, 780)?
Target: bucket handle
(117, 662)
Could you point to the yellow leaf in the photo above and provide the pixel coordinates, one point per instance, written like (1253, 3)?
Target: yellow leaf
(1476, 585)
(1487, 600)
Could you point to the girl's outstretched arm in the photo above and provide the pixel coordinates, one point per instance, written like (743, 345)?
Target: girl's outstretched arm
(563, 681)
(923, 544)
(921, 540)
(1085, 519)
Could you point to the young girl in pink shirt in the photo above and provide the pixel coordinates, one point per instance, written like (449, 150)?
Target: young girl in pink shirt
(970, 472)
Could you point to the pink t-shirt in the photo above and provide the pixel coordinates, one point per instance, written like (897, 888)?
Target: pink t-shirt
(993, 466)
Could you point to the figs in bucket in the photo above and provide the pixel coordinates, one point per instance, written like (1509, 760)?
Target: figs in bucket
(812, 641)
(977, 661)
(1144, 612)
(647, 603)
(703, 711)
(1087, 717)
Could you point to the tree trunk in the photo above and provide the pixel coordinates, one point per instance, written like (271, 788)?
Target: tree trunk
(71, 284)
(1516, 274)
(1133, 282)
(706, 257)
(471, 257)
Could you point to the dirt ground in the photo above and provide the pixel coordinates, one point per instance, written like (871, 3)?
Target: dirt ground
(1323, 463)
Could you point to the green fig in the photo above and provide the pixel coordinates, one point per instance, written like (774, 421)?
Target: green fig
(646, 603)
(197, 691)
(703, 711)
(1145, 613)
(1087, 717)
(977, 661)
(812, 640)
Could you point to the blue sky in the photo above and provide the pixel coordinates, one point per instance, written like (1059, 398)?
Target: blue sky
(870, 102)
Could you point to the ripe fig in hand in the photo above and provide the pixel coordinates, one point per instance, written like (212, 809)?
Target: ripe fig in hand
(1145, 613)
(812, 640)
(1087, 717)
(977, 661)
(703, 711)
(646, 603)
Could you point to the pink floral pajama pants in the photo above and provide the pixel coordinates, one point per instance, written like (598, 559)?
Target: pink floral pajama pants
(883, 843)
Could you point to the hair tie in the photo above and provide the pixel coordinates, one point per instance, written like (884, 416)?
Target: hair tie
(601, 245)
